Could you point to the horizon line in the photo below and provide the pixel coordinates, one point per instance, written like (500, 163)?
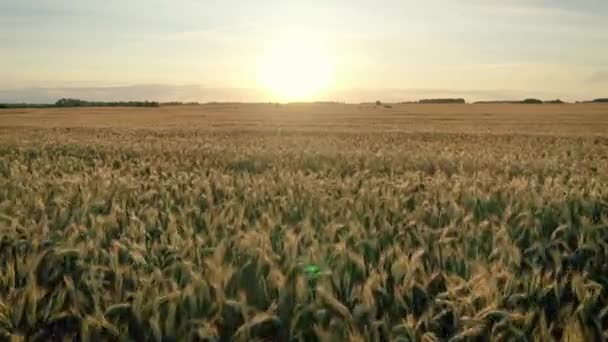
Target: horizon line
(205, 94)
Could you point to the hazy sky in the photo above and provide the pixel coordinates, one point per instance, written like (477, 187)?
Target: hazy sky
(385, 49)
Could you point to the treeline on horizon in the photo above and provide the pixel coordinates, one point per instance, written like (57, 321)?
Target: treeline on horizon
(526, 101)
(423, 101)
(537, 101)
(70, 103)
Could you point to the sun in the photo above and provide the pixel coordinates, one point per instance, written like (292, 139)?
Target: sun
(296, 70)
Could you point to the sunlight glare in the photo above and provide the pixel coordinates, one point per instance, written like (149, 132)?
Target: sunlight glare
(297, 70)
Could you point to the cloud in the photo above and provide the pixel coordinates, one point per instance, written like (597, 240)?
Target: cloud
(582, 9)
(152, 92)
(599, 77)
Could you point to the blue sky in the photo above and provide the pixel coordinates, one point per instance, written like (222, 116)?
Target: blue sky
(385, 48)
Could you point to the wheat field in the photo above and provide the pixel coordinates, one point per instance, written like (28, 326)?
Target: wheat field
(305, 222)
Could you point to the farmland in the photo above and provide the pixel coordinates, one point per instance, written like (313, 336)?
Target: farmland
(305, 222)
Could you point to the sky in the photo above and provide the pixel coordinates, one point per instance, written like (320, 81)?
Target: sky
(271, 50)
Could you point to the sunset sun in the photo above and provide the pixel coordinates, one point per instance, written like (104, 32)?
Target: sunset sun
(299, 70)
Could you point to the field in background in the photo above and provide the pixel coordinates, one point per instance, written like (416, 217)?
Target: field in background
(305, 222)
(565, 119)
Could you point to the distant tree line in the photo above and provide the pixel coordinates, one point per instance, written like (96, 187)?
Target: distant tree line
(329, 102)
(25, 105)
(532, 101)
(558, 101)
(81, 103)
(423, 101)
(526, 101)
(442, 101)
(68, 103)
(179, 103)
